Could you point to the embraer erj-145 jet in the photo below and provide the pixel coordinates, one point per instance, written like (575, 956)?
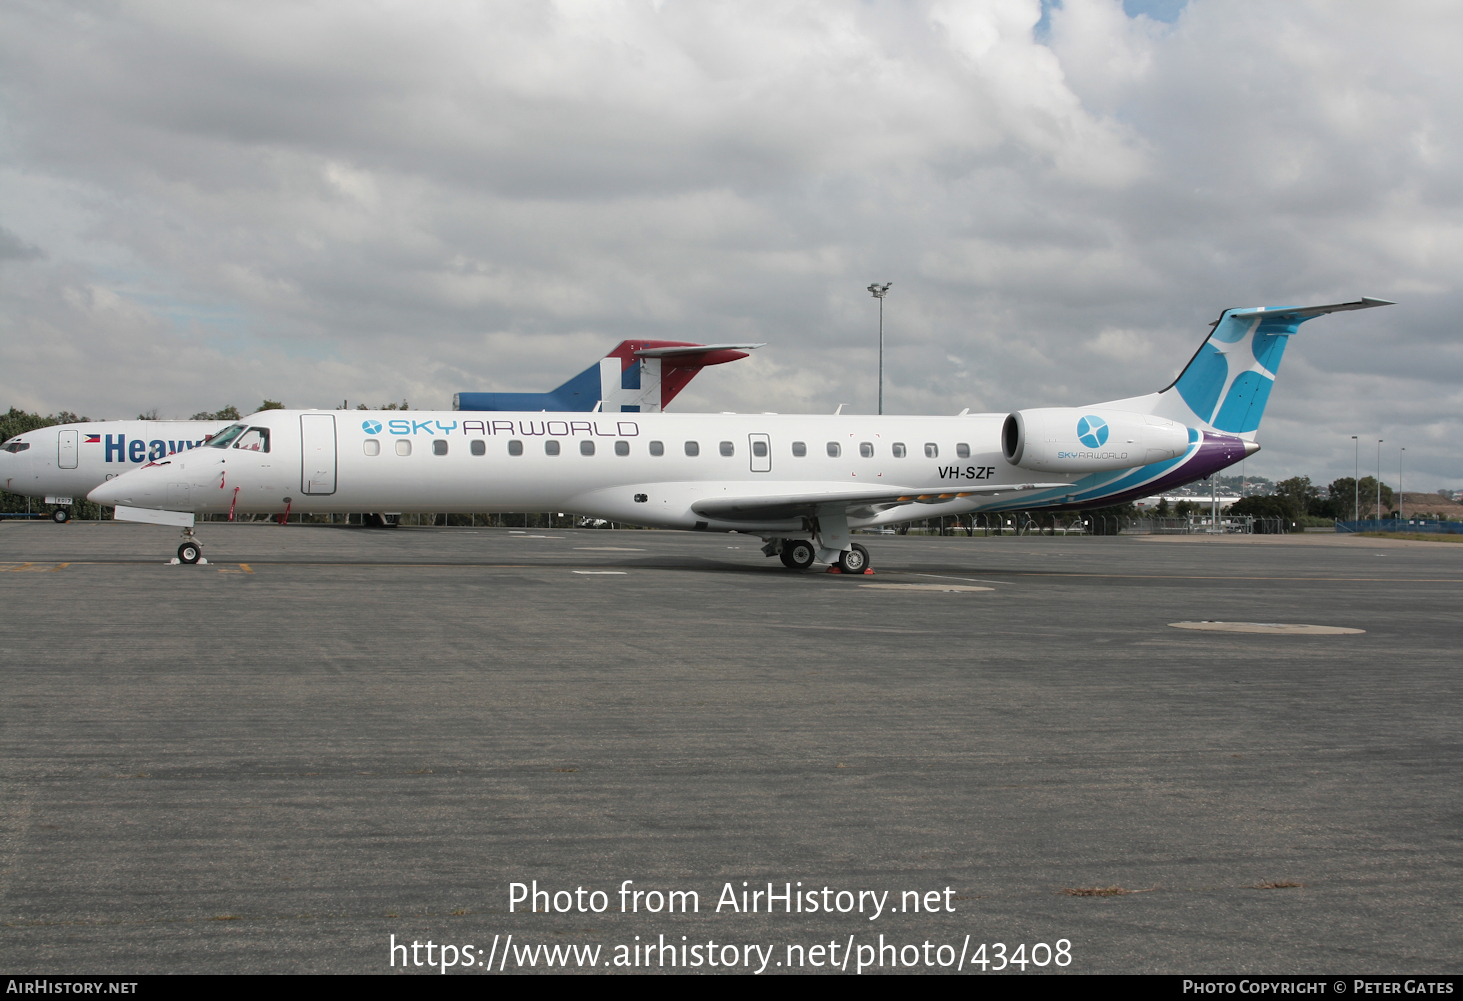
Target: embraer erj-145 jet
(799, 482)
(61, 462)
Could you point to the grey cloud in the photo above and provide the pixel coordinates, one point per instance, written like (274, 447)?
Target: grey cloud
(13, 248)
(328, 201)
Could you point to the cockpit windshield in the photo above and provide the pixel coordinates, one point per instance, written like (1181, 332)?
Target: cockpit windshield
(254, 440)
(226, 437)
(15, 446)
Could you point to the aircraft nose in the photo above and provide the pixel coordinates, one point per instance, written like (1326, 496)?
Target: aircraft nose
(108, 494)
(135, 488)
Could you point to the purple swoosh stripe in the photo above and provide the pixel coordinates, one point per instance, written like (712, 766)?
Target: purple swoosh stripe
(1215, 452)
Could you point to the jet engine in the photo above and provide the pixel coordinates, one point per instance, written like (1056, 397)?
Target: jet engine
(1069, 440)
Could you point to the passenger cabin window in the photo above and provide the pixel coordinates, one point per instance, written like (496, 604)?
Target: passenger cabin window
(834, 450)
(622, 448)
(586, 447)
(551, 447)
(693, 448)
(226, 437)
(962, 450)
(657, 448)
(479, 447)
(373, 447)
(866, 449)
(899, 450)
(759, 449)
(727, 448)
(799, 449)
(515, 447)
(932, 451)
(254, 440)
(439, 447)
(403, 446)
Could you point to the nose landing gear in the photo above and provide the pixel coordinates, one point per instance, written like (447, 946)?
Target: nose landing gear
(191, 551)
(61, 515)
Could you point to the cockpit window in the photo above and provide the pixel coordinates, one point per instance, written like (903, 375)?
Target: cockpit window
(15, 446)
(226, 437)
(254, 440)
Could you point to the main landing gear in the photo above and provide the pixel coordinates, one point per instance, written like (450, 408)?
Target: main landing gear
(854, 560)
(799, 554)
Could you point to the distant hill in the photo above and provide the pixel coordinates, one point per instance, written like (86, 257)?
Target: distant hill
(1421, 503)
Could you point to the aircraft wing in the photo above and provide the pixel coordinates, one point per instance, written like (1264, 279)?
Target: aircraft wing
(777, 507)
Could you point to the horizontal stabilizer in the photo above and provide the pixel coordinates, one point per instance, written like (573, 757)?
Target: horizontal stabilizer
(697, 349)
(1305, 312)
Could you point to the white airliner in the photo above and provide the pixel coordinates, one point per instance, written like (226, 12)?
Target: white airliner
(59, 463)
(799, 482)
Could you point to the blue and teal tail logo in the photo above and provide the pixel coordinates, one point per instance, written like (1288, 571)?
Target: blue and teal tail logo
(1092, 431)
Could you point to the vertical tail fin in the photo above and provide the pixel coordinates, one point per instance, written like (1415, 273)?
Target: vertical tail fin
(1226, 385)
(637, 376)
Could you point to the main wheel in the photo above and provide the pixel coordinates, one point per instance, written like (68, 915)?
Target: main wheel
(797, 554)
(61, 515)
(855, 560)
(189, 552)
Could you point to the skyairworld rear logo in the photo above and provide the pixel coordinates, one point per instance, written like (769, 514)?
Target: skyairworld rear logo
(1092, 431)
(371, 427)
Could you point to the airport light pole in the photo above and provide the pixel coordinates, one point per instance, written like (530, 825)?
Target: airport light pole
(879, 292)
(1379, 478)
(1401, 510)
(1356, 480)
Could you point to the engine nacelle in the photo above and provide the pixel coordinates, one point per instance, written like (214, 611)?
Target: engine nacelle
(1068, 440)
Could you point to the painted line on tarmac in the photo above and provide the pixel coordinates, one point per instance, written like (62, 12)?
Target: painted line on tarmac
(1145, 576)
(978, 580)
(1011, 573)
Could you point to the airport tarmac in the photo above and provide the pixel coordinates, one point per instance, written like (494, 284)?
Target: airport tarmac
(329, 736)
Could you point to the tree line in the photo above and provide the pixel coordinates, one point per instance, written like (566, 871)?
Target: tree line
(1342, 500)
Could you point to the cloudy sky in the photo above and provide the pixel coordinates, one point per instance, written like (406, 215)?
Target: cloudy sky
(206, 203)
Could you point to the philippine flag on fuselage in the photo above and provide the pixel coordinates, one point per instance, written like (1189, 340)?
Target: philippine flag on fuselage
(93, 439)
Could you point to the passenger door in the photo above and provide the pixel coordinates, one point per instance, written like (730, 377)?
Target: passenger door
(761, 453)
(317, 454)
(66, 450)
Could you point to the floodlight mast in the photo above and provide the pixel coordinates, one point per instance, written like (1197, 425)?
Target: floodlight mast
(1356, 480)
(1379, 478)
(879, 292)
(1401, 504)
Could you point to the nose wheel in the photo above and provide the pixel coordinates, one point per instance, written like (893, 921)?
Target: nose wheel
(61, 515)
(191, 551)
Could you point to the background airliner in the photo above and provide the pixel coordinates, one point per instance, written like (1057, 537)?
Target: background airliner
(799, 482)
(636, 377)
(58, 463)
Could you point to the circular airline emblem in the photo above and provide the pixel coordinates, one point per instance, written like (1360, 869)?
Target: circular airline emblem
(374, 427)
(1092, 431)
